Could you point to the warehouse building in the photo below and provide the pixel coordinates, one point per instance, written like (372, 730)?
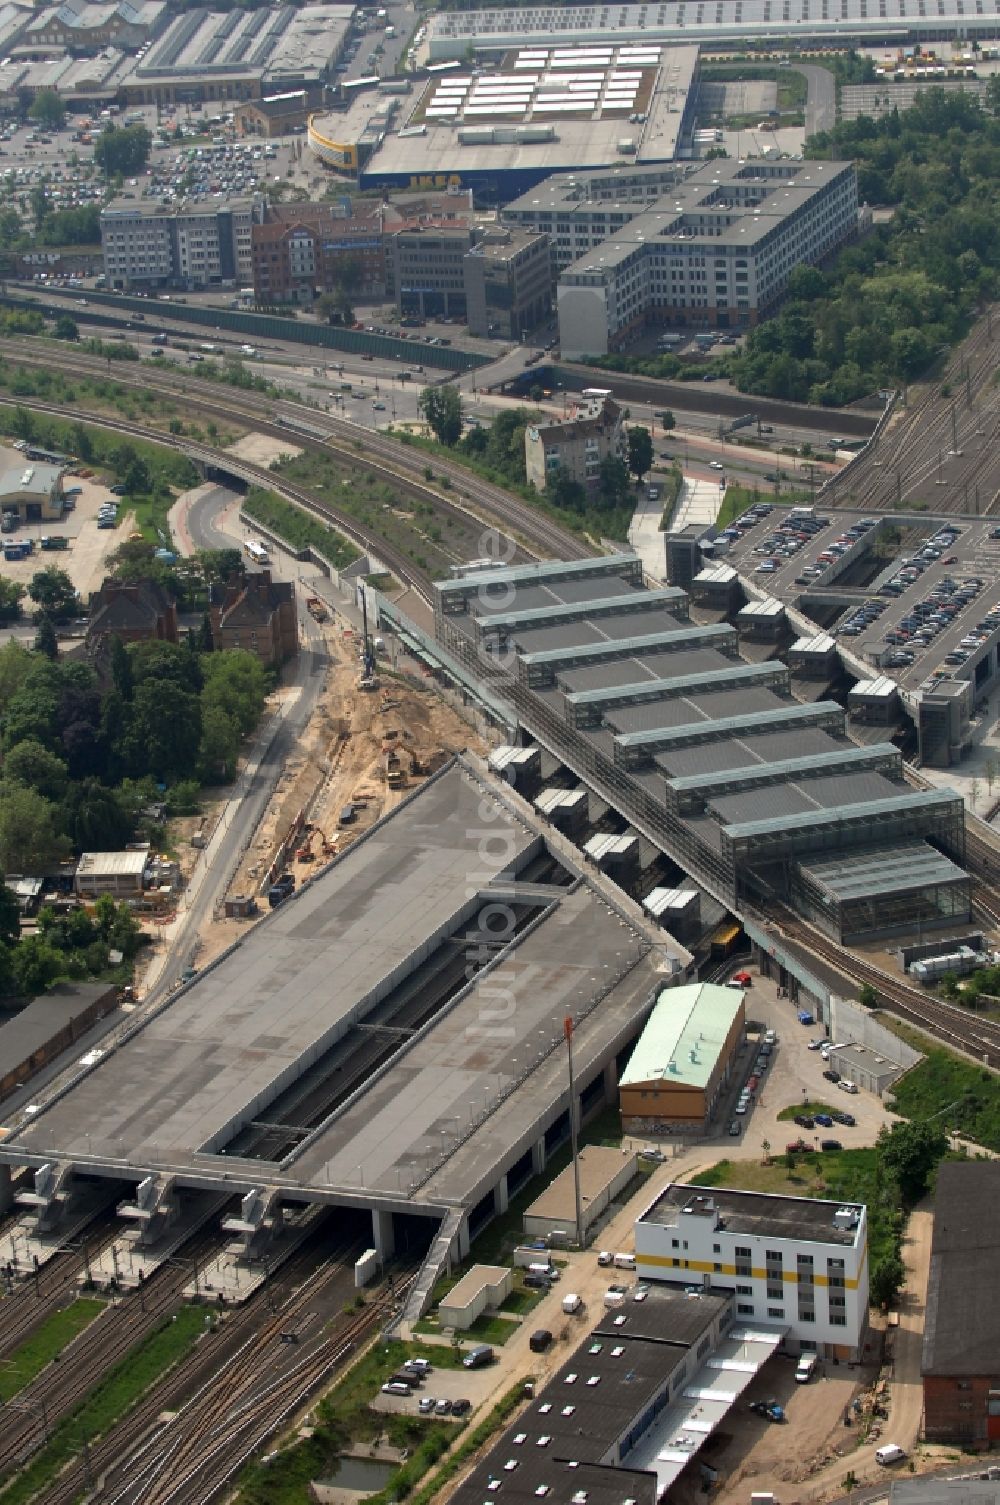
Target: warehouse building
(189, 245)
(749, 790)
(277, 114)
(717, 251)
(32, 490)
(796, 1261)
(239, 54)
(684, 1060)
(451, 34)
(960, 1365)
(604, 1172)
(88, 25)
(630, 1410)
(542, 111)
(32, 1038)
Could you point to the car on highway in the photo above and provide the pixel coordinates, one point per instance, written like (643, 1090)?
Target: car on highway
(716, 465)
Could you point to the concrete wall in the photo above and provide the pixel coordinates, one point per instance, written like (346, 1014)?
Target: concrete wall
(583, 321)
(851, 1023)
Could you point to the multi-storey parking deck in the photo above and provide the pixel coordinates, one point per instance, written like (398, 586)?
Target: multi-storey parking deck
(390, 1036)
(710, 758)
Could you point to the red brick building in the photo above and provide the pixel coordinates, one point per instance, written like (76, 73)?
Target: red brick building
(302, 250)
(961, 1355)
(257, 614)
(134, 613)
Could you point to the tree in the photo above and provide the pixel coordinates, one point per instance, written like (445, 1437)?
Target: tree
(132, 470)
(122, 151)
(867, 996)
(910, 1151)
(10, 915)
(34, 767)
(47, 110)
(640, 451)
(887, 1277)
(565, 492)
(765, 1145)
(666, 420)
(613, 483)
(442, 408)
(66, 328)
(46, 641)
(36, 965)
(163, 730)
(30, 840)
(54, 593)
(235, 683)
(219, 564)
(220, 743)
(11, 592)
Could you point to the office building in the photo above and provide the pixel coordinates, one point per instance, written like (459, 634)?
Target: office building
(277, 114)
(798, 1262)
(190, 245)
(427, 268)
(960, 1365)
(684, 1060)
(577, 446)
(508, 283)
(717, 251)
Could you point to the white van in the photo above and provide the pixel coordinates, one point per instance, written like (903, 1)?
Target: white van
(806, 1368)
(624, 1261)
(891, 1453)
(571, 1303)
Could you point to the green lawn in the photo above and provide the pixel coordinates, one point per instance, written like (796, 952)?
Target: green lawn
(45, 1344)
(492, 1330)
(297, 527)
(954, 1092)
(108, 1402)
(521, 1301)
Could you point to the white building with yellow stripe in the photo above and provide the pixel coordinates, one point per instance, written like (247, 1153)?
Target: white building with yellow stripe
(794, 1262)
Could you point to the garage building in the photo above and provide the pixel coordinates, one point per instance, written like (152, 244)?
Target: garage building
(604, 1174)
(32, 491)
(683, 1061)
(484, 1289)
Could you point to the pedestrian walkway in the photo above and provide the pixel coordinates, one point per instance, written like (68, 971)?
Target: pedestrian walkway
(699, 502)
(646, 539)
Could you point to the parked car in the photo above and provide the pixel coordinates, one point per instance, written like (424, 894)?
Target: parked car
(830, 1144)
(461, 1407)
(844, 1118)
(846, 1086)
(540, 1340)
(824, 1120)
(804, 1121)
(832, 1076)
(798, 1147)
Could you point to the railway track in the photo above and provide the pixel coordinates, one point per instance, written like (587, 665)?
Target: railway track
(385, 456)
(947, 1021)
(52, 1287)
(906, 463)
(201, 1386)
(109, 1338)
(225, 1400)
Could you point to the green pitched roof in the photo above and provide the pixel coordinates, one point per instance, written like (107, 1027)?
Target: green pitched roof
(689, 1021)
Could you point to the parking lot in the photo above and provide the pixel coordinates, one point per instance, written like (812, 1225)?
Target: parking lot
(919, 598)
(84, 561)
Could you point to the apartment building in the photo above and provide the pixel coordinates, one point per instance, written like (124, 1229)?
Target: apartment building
(301, 250)
(190, 246)
(716, 252)
(796, 1262)
(508, 283)
(576, 445)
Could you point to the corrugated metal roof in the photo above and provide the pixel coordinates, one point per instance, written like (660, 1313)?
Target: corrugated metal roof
(786, 768)
(684, 1035)
(870, 872)
(918, 799)
(753, 716)
(112, 864)
(696, 637)
(880, 688)
(545, 571)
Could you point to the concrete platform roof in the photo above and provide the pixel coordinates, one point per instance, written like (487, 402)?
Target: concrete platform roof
(461, 1096)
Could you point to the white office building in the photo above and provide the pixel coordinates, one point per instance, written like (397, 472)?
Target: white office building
(715, 251)
(795, 1262)
(190, 245)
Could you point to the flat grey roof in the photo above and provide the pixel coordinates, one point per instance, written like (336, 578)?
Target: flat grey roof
(224, 1047)
(859, 811)
(30, 1029)
(609, 630)
(762, 1214)
(714, 709)
(428, 1127)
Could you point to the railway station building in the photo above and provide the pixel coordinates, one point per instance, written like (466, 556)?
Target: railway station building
(759, 796)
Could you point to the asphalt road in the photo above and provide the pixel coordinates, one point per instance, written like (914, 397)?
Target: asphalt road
(821, 100)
